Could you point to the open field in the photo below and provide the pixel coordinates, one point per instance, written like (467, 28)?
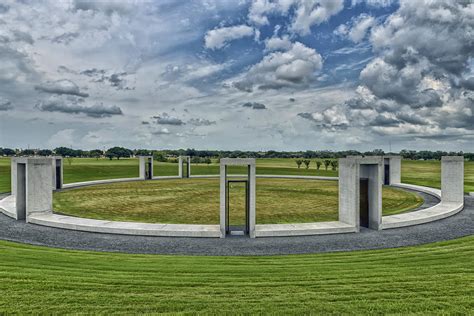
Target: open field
(196, 201)
(85, 169)
(425, 280)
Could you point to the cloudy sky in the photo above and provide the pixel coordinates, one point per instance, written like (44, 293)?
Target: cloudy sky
(230, 74)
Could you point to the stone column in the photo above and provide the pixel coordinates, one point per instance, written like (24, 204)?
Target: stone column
(349, 191)
(452, 179)
(143, 160)
(58, 161)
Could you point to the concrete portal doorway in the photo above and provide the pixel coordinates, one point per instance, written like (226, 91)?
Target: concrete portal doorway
(184, 170)
(21, 191)
(146, 167)
(232, 220)
(237, 217)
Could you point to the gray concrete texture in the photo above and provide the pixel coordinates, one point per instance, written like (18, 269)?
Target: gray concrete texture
(184, 166)
(143, 161)
(452, 179)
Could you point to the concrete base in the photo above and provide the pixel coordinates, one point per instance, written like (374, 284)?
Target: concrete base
(303, 229)
(8, 206)
(124, 228)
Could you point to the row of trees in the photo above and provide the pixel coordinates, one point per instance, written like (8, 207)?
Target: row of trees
(163, 155)
(327, 162)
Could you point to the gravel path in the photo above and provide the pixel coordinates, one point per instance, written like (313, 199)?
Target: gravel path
(459, 225)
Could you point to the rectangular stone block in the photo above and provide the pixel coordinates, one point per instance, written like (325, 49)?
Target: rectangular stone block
(452, 179)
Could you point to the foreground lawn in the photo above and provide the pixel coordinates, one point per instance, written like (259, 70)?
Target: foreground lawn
(196, 201)
(426, 280)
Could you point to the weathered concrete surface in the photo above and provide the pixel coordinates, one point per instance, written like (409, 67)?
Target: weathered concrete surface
(395, 163)
(124, 228)
(452, 179)
(303, 229)
(57, 161)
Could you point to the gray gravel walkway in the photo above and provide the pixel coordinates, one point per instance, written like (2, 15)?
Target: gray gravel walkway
(459, 225)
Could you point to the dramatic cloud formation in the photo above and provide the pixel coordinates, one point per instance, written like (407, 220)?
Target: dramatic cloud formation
(293, 67)
(63, 86)
(326, 74)
(217, 38)
(95, 111)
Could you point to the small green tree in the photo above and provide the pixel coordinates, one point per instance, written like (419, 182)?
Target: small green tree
(318, 164)
(306, 163)
(298, 162)
(334, 164)
(327, 163)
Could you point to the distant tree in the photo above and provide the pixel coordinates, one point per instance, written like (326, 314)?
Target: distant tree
(306, 163)
(327, 163)
(158, 156)
(143, 152)
(96, 153)
(45, 152)
(207, 160)
(27, 152)
(318, 164)
(298, 162)
(334, 164)
(8, 152)
(118, 152)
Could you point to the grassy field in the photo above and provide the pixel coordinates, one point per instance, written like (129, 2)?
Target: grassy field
(434, 279)
(84, 169)
(196, 201)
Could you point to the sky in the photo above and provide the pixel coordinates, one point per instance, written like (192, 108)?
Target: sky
(237, 75)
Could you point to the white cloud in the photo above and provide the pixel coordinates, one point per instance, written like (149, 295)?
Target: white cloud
(357, 29)
(219, 37)
(309, 13)
(278, 43)
(291, 68)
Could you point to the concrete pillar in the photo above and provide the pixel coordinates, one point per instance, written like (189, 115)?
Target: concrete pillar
(58, 172)
(33, 190)
(452, 179)
(182, 160)
(143, 161)
(349, 191)
(395, 169)
(351, 170)
(251, 164)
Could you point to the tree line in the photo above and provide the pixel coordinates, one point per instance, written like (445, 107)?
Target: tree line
(202, 155)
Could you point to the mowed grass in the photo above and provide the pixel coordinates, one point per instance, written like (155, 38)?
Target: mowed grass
(196, 201)
(433, 279)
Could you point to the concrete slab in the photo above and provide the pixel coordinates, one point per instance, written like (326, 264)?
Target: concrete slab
(124, 228)
(431, 214)
(8, 206)
(303, 229)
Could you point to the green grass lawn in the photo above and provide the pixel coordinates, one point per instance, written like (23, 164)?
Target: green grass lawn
(433, 279)
(196, 201)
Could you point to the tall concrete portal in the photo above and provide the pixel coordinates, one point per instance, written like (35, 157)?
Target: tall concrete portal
(33, 189)
(360, 191)
(250, 185)
(146, 167)
(184, 170)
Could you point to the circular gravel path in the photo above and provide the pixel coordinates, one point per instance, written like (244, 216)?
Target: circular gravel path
(459, 225)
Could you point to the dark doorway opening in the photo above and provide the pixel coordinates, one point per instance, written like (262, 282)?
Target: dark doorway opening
(58, 174)
(237, 215)
(186, 167)
(386, 177)
(364, 202)
(21, 191)
(148, 169)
